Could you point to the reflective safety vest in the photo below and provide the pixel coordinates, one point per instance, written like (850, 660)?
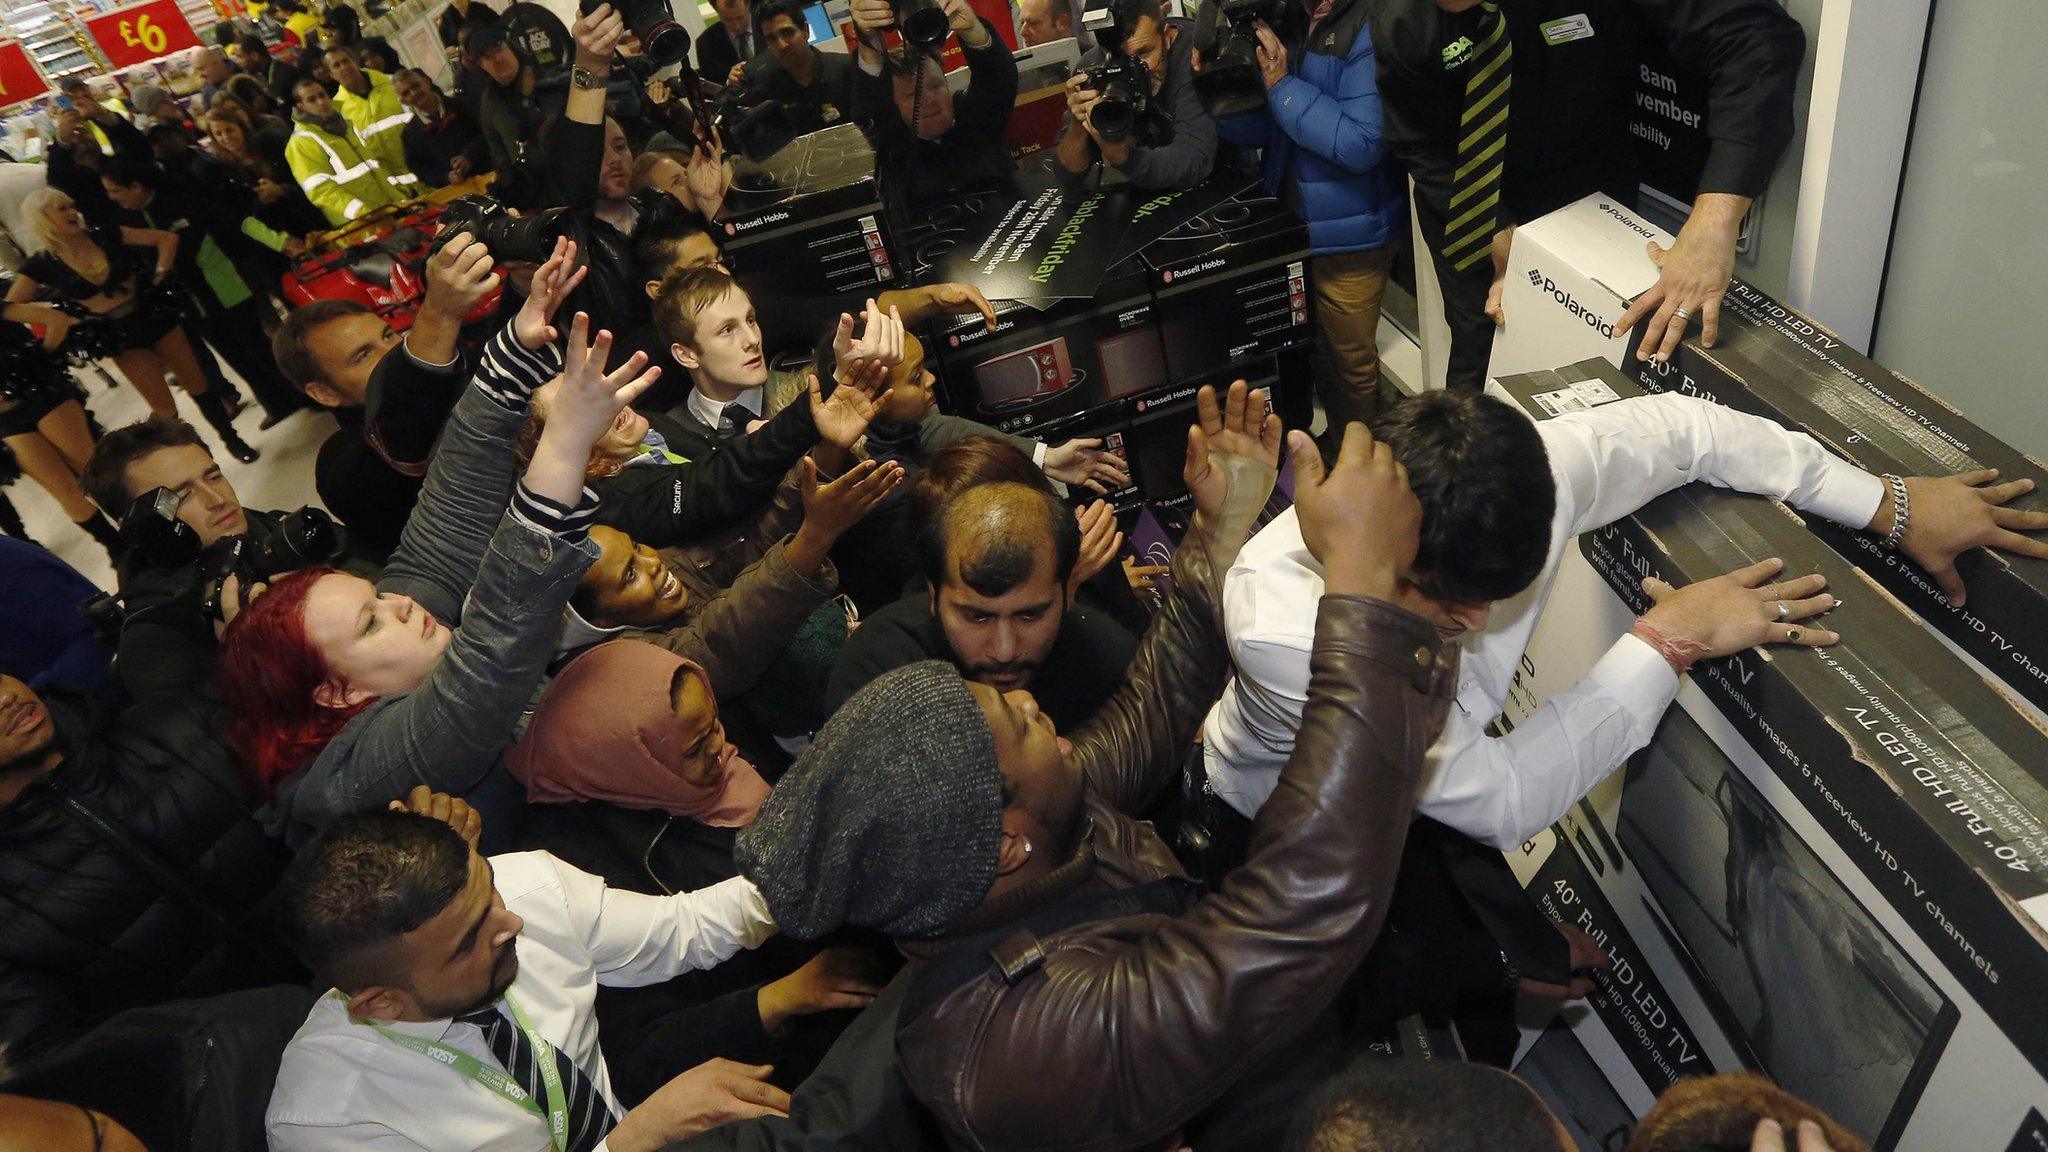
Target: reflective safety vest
(338, 175)
(379, 120)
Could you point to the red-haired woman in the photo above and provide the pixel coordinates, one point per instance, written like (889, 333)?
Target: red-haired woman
(341, 694)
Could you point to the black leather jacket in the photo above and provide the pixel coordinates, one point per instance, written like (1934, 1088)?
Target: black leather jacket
(130, 874)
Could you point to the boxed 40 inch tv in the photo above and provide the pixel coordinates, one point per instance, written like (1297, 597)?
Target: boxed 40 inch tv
(1834, 861)
(1773, 362)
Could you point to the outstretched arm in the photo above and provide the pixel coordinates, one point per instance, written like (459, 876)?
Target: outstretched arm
(1134, 745)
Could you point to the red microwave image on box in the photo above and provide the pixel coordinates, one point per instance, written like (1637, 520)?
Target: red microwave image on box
(1024, 377)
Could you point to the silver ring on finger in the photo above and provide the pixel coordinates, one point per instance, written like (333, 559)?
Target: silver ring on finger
(1784, 610)
(1793, 634)
(1681, 315)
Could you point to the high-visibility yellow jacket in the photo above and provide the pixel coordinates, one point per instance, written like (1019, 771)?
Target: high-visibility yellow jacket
(337, 173)
(379, 120)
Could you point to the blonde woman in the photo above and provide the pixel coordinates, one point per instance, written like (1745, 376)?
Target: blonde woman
(43, 424)
(104, 290)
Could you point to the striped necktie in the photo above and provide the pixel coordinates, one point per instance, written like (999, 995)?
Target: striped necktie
(1475, 186)
(590, 1118)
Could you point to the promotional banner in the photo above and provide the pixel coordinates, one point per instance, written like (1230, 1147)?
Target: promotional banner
(1050, 245)
(19, 78)
(140, 33)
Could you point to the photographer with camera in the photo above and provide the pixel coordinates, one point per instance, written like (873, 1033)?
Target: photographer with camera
(1132, 104)
(1319, 129)
(390, 396)
(180, 518)
(589, 167)
(815, 89)
(930, 144)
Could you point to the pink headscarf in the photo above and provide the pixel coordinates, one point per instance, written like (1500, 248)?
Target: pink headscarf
(606, 730)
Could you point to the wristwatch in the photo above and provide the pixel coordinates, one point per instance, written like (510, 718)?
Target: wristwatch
(585, 79)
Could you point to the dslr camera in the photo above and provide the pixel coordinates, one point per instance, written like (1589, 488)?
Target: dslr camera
(653, 23)
(1127, 109)
(302, 538)
(1229, 82)
(530, 238)
(922, 22)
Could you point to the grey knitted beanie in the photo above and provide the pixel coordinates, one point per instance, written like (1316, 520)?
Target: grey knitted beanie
(892, 818)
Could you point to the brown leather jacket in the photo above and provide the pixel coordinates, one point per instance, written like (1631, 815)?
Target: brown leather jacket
(1114, 1034)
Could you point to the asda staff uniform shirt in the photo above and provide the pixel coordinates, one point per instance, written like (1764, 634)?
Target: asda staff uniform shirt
(1606, 463)
(343, 1086)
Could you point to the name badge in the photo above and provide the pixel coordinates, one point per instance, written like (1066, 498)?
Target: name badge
(1566, 29)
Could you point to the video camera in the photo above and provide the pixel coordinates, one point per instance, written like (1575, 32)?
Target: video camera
(302, 538)
(755, 126)
(507, 237)
(653, 23)
(1126, 108)
(1230, 81)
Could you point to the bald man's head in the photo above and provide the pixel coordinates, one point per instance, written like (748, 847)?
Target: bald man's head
(997, 558)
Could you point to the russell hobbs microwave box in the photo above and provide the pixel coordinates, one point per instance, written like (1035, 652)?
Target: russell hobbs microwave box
(1570, 276)
(1931, 780)
(1773, 362)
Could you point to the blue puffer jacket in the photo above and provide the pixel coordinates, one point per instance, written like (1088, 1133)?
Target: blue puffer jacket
(1324, 119)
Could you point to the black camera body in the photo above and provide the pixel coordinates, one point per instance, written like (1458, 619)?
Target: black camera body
(653, 23)
(922, 22)
(298, 539)
(303, 538)
(1127, 108)
(530, 238)
(1230, 81)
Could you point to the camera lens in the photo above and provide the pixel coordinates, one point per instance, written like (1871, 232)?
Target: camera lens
(923, 22)
(1113, 119)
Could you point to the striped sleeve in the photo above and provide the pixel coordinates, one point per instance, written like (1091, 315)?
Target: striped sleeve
(552, 516)
(508, 373)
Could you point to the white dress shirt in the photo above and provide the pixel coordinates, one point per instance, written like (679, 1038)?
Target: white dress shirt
(341, 1085)
(710, 412)
(1606, 463)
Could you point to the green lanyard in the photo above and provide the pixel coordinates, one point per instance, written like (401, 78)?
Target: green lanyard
(496, 1079)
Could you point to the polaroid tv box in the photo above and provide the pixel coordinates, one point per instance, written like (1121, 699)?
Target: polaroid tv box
(1929, 778)
(1773, 362)
(1231, 280)
(805, 227)
(1570, 276)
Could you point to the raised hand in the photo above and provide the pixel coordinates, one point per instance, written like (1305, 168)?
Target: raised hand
(1359, 519)
(1726, 614)
(453, 811)
(534, 326)
(1086, 463)
(1100, 543)
(459, 276)
(832, 508)
(597, 34)
(709, 176)
(881, 340)
(1231, 444)
(587, 398)
(1949, 515)
(844, 419)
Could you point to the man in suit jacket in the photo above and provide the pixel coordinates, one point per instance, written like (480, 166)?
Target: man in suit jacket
(730, 41)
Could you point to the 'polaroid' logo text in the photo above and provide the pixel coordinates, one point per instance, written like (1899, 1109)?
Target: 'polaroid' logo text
(1571, 303)
(1628, 221)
